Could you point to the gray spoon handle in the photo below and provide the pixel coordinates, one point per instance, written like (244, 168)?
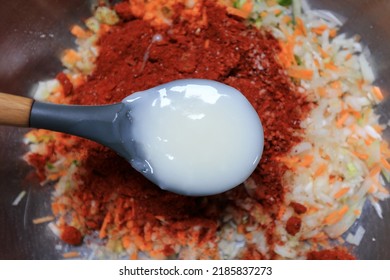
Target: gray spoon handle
(97, 123)
(91, 122)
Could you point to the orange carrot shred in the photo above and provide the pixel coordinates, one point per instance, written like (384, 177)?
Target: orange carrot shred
(341, 192)
(304, 74)
(301, 26)
(361, 155)
(331, 66)
(307, 160)
(375, 170)
(43, 220)
(378, 93)
(107, 219)
(341, 120)
(70, 255)
(348, 56)
(385, 163)
(320, 170)
(336, 216)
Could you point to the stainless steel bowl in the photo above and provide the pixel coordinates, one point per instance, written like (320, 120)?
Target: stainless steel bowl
(33, 34)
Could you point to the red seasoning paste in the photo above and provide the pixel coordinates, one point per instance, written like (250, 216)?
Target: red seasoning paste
(120, 203)
(334, 254)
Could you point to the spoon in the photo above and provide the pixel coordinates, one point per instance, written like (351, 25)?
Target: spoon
(192, 137)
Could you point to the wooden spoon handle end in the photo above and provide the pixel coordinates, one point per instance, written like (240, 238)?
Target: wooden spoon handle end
(15, 110)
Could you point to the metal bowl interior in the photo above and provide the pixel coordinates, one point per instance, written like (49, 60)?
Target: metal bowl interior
(34, 33)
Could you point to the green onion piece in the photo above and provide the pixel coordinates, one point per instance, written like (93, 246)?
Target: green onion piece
(238, 3)
(352, 170)
(298, 60)
(285, 3)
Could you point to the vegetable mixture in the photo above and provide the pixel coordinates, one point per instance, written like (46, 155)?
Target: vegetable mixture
(312, 87)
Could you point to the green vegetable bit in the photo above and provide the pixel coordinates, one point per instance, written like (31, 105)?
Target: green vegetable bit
(298, 60)
(352, 169)
(238, 3)
(285, 2)
(49, 166)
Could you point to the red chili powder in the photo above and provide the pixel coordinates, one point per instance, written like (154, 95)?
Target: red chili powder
(298, 208)
(71, 235)
(334, 254)
(226, 49)
(293, 225)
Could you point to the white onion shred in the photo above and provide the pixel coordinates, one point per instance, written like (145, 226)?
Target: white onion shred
(356, 238)
(19, 198)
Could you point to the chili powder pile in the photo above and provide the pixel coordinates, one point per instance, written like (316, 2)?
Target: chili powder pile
(127, 210)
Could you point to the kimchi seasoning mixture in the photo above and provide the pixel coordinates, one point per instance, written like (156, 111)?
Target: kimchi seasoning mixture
(104, 194)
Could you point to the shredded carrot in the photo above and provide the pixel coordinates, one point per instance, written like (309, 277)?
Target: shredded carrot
(236, 12)
(377, 128)
(77, 80)
(263, 14)
(247, 7)
(307, 160)
(372, 189)
(341, 120)
(340, 240)
(70, 255)
(319, 29)
(331, 66)
(382, 189)
(348, 56)
(355, 113)
(311, 210)
(317, 63)
(271, 3)
(332, 179)
(375, 170)
(286, 19)
(384, 147)
(357, 212)
(281, 212)
(134, 255)
(341, 192)
(70, 57)
(286, 56)
(385, 163)
(323, 53)
(291, 162)
(378, 93)
(277, 12)
(361, 155)
(107, 219)
(241, 228)
(249, 236)
(322, 92)
(79, 32)
(243, 12)
(126, 241)
(335, 85)
(369, 140)
(336, 216)
(300, 26)
(320, 236)
(299, 73)
(43, 220)
(206, 44)
(320, 170)
(55, 208)
(361, 83)
(332, 33)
